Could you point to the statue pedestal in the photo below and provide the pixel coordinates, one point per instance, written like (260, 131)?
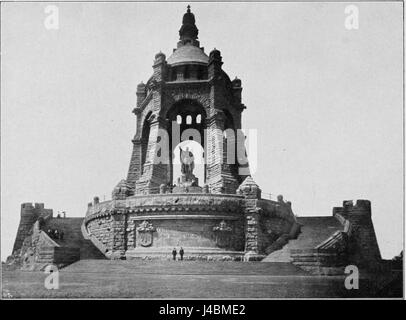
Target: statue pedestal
(188, 180)
(187, 189)
(187, 184)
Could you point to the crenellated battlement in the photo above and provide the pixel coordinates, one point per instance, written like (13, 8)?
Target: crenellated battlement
(362, 208)
(36, 208)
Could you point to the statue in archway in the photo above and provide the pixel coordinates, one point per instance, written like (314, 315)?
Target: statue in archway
(188, 163)
(187, 182)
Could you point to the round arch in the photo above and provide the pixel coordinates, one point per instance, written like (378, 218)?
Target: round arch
(186, 120)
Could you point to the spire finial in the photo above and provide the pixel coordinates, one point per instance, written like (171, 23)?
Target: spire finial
(188, 32)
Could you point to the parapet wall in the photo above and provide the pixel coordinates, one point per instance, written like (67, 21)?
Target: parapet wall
(202, 223)
(151, 225)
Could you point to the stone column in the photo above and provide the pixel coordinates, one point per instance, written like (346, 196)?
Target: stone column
(119, 238)
(214, 152)
(154, 173)
(134, 170)
(253, 234)
(141, 94)
(220, 175)
(159, 67)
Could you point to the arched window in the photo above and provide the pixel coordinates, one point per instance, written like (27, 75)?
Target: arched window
(187, 72)
(189, 119)
(199, 118)
(179, 119)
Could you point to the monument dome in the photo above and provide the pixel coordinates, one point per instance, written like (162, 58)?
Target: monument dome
(188, 54)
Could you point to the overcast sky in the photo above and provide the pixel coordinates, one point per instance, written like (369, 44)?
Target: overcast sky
(326, 101)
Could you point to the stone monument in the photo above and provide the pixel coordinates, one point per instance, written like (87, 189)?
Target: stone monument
(190, 97)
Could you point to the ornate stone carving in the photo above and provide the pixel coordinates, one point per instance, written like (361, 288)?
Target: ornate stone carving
(223, 234)
(145, 231)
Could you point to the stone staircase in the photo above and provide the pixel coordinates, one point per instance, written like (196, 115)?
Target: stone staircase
(73, 237)
(168, 267)
(314, 231)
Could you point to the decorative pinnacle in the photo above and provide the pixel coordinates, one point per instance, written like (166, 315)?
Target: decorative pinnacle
(188, 32)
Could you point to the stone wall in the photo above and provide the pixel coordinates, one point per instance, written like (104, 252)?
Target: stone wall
(268, 224)
(102, 230)
(29, 214)
(363, 248)
(356, 244)
(320, 261)
(159, 221)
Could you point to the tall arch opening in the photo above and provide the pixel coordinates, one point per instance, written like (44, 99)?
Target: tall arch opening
(198, 157)
(187, 120)
(146, 127)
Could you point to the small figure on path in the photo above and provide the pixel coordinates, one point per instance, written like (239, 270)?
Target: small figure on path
(181, 252)
(174, 253)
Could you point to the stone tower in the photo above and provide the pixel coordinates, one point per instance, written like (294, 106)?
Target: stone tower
(189, 90)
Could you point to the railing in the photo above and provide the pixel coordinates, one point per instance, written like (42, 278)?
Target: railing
(47, 239)
(96, 242)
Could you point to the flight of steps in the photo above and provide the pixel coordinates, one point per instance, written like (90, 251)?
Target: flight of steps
(314, 231)
(169, 267)
(73, 237)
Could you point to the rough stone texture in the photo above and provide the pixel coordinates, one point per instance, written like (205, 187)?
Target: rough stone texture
(363, 247)
(29, 215)
(38, 250)
(203, 223)
(188, 220)
(217, 96)
(122, 190)
(326, 244)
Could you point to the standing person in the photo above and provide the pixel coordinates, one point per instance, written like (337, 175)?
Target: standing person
(174, 253)
(181, 252)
